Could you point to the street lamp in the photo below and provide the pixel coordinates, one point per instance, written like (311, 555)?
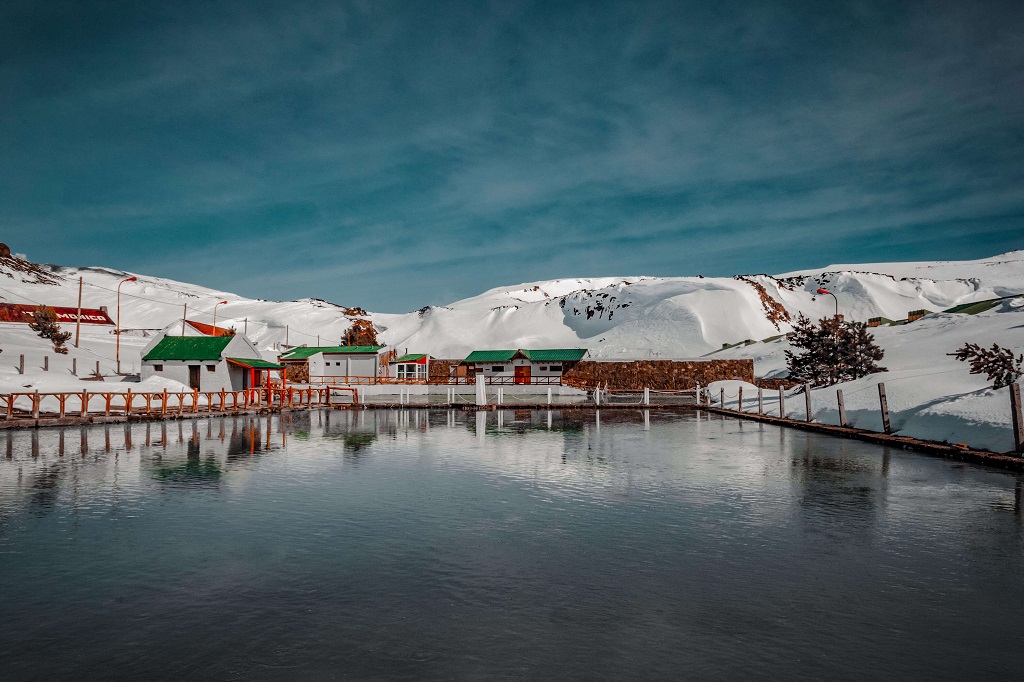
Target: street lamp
(824, 292)
(215, 316)
(117, 333)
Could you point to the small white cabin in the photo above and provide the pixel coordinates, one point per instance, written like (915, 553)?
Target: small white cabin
(521, 365)
(414, 368)
(207, 363)
(337, 364)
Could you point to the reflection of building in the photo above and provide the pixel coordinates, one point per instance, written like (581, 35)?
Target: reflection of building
(207, 363)
(520, 366)
(334, 364)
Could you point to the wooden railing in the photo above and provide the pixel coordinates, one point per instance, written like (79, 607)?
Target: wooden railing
(163, 403)
(506, 381)
(363, 380)
(436, 381)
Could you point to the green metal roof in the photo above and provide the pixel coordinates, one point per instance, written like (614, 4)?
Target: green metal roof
(409, 358)
(304, 352)
(543, 355)
(189, 348)
(556, 354)
(257, 363)
(491, 356)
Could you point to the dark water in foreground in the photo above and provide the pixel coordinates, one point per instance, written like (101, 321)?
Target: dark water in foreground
(423, 545)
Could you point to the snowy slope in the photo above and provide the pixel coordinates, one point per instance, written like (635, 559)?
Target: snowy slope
(615, 317)
(680, 317)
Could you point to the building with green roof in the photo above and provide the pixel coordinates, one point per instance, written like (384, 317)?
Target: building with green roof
(207, 363)
(520, 365)
(411, 367)
(335, 364)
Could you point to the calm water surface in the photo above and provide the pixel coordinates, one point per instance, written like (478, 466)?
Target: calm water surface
(443, 545)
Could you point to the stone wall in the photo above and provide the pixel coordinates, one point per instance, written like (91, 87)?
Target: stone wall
(664, 375)
(774, 384)
(440, 370)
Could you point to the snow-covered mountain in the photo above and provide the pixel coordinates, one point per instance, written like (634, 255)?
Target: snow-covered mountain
(615, 317)
(931, 394)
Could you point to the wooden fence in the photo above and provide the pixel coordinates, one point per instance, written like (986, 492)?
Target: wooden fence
(164, 403)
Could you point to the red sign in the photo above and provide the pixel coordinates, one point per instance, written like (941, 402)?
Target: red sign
(16, 312)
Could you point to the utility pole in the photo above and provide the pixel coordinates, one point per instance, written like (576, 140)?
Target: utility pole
(78, 319)
(184, 314)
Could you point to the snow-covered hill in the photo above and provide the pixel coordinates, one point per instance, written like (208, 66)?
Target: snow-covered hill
(615, 317)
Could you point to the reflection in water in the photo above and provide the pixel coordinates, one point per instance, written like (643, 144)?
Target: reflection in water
(444, 544)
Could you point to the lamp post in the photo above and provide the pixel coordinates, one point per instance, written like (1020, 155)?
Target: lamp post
(117, 332)
(215, 316)
(824, 292)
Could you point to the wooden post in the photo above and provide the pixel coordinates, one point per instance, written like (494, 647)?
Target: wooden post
(807, 399)
(739, 400)
(78, 318)
(163, 403)
(128, 403)
(46, 363)
(35, 405)
(782, 402)
(885, 408)
(21, 364)
(85, 404)
(760, 400)
(842, 407)
(1018, 420)
(721, 398)
(98, 369)
(245, 329)
(74, 366)
(195, 400)
(221, 399)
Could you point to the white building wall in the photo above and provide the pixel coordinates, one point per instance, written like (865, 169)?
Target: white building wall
(228, 377)
(343, 364)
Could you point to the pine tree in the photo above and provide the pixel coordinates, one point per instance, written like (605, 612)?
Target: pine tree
(832, 352)
(998, 363)
(858, 352)
(44, 323)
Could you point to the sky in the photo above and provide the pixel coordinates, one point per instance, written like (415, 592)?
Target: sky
(393, 155)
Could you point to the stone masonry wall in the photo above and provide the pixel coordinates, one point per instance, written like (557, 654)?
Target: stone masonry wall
(661, 375)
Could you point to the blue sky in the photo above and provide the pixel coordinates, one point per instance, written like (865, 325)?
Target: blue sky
(398, 154)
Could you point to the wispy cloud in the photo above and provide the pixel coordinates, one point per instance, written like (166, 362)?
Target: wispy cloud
(394, 154)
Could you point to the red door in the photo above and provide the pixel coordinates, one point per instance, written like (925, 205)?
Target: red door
(522, 374)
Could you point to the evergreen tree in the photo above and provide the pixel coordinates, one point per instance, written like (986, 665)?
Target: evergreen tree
(858, 352)
(998, 363)
(832, 352)
(44, 323)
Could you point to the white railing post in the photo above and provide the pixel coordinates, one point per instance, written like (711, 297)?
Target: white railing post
(481, 390)
(647, 396)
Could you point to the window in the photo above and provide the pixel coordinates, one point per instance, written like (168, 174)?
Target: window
(554, 368)
(543, 369)
(211, 368)
(497, 368)
(158, 368)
